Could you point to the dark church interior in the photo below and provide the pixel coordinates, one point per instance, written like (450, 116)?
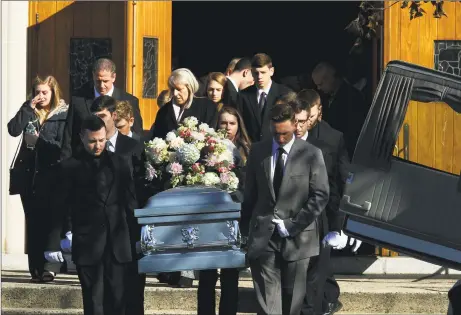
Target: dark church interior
(297, 35)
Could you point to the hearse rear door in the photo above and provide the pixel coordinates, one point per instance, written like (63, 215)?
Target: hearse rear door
(395, 203)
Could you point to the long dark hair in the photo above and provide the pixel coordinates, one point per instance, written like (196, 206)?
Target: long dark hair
(242, 141)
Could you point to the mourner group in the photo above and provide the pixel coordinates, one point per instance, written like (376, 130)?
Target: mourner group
(82, 173)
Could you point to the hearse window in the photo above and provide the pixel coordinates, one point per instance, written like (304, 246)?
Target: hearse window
(400, 83)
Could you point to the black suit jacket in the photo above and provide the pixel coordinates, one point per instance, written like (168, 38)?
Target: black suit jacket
(98, 201)
(79, 109)
(347, 113)
(230, 94)
(201, 108)
(331, 143)
(257, 124)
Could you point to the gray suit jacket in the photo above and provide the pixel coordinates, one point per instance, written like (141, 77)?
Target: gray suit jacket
(303, 196)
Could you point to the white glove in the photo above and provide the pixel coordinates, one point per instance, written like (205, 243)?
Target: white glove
(66, 243)
(356, 245)
(281, 227)
(54, 257)
(336, 240)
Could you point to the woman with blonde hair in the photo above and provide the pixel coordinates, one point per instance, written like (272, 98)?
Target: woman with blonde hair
(215, 87)
(40, 121)
(182, 85)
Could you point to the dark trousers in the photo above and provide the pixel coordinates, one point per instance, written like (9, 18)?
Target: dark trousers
(103, 286)
(135, 290)
(37, 227)
(321, 285)
(206, 295)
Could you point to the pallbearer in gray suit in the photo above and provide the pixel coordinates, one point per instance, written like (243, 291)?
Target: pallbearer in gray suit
(286, 190)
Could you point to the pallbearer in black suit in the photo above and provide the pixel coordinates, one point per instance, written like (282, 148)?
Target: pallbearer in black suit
(106, 108)
(239, 79)
(255, 102)
(104, 74)
(97, 187)
(183, 85)
(332, 144)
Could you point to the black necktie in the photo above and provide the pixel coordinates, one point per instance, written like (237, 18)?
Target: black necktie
(278, 172)
(262, 102)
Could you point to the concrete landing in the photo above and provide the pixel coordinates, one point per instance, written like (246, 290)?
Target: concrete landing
(359, 295)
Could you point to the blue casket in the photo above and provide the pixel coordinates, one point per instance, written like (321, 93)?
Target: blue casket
(190, 228)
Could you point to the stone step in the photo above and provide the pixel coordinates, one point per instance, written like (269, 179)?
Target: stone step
(358, 295)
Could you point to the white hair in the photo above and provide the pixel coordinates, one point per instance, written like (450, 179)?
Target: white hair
(186, 77)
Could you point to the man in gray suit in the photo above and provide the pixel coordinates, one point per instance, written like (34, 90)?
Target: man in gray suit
(286, 190)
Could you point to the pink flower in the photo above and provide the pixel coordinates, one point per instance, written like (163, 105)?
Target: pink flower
(222, 169)
(174, 168)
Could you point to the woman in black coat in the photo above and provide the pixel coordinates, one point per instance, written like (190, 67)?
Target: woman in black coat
(230, 120)
(41, 121)
(183, 85)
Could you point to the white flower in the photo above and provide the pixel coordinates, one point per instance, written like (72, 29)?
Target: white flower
(170, 136)
(197, 136)
(211, 179)
(203, 127)
(188, 154)
(176, 143)
(158, 144)
(190, 122)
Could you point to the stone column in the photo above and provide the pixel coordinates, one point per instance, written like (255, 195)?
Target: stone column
(13, 93)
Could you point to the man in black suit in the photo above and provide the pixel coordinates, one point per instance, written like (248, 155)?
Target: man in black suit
(96, 190)
(331, 142)
(104, 73)
(346, 109)
(286, 190)
(239, 79)
(256, 101)
(105, 107)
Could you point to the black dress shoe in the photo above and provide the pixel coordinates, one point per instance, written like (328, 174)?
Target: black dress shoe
(333, 308)
(185, 282)
(163, 277)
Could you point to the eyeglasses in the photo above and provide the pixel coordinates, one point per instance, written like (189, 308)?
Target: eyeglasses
(301, 122)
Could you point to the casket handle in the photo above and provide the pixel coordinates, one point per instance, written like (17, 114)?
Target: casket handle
(365, 206)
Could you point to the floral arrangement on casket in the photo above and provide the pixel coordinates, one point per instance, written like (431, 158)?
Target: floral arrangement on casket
(191, 155)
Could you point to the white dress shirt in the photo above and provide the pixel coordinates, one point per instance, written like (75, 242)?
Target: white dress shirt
(266, 90)
(233, 83)
(177, 110)
(96, 93)
(112, 142)
(275, 146)
(304, 137)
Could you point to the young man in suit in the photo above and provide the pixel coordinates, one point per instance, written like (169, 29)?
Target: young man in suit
(331, 142)
(346, 109)
(256, 101)
(286, 190)
(239, 79)
(104, 74)
(125, 120)
(96, 191)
